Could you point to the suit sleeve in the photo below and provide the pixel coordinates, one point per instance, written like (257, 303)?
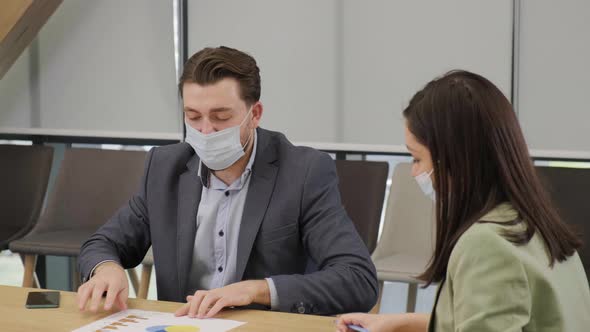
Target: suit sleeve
(346, 279)
(125, 238)
(490, 285)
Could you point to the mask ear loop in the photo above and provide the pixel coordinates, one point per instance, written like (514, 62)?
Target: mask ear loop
(248, 140)
(250, 136)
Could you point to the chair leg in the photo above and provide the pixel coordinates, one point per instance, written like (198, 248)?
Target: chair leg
(75, 274)
(377, 306)
(134, 280)
(144, 285)
(29, 276)
(412, 295)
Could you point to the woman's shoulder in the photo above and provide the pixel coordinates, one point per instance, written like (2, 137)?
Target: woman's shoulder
(488, 232)
(485, 242)
(484, 236)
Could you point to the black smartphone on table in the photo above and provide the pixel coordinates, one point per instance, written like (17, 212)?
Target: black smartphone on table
(37, 300)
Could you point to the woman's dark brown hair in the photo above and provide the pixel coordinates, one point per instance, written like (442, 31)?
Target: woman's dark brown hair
(480, 160)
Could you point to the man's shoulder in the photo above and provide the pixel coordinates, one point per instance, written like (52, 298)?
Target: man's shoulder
(287, 150)
(172, 154)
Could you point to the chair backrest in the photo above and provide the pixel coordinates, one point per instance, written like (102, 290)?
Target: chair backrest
(91, 185)
(408, 227)
(570, 191)
(24, 173)
(362, 189)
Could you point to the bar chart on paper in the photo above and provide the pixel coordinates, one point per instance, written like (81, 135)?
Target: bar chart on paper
(152, 321)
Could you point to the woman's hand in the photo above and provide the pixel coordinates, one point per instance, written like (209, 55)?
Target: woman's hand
(384, 323)
(373, 323)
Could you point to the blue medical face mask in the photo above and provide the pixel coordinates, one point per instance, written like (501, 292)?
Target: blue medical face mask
(425, 183)
(218, 150)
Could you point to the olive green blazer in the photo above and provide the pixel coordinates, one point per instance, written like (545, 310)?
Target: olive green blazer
(493, 285)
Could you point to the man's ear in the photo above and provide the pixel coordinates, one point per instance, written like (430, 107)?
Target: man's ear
(257, 110)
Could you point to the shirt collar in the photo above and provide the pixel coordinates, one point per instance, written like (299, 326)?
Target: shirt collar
(503, 212)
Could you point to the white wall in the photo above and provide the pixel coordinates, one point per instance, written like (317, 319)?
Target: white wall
(103, 65)
(15, 94)
(554, 74)
(391, 49)
(109, 65)
(332, 71)
(293, 43)
(342, 71)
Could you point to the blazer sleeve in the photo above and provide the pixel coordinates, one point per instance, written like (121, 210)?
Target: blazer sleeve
(489, 284)
(346, 279)
(125, 238)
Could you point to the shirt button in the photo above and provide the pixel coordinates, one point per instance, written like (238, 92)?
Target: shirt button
(226, 193)
(220, 269)
(221, 233)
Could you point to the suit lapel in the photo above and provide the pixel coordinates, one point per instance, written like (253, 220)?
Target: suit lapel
(189, 196)
(260, 190)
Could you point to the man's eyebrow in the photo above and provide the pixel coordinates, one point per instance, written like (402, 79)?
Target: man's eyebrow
(220, 109)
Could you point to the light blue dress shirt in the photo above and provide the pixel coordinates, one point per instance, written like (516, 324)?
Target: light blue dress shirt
(218, 227)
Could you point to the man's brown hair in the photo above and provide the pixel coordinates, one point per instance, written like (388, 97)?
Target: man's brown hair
(210, 65)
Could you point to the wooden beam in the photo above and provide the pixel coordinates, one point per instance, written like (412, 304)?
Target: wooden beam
(20, 21)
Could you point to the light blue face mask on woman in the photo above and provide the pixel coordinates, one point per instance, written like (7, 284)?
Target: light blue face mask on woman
(425, 183)
(218, 150)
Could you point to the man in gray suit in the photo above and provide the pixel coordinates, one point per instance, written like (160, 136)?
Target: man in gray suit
(234, 214)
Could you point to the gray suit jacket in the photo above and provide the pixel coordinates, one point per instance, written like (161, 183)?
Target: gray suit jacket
(292, 215)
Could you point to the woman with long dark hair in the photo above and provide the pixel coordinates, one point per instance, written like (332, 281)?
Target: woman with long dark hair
(504, 259)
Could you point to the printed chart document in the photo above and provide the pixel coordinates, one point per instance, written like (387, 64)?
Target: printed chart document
(152, 321)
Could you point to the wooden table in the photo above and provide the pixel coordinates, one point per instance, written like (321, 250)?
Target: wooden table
(14, 317)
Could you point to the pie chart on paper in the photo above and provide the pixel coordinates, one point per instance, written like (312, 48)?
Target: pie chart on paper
(136, 320)
(173, 328)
